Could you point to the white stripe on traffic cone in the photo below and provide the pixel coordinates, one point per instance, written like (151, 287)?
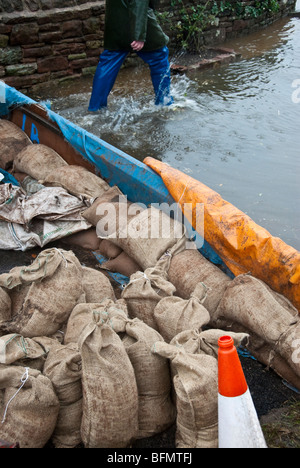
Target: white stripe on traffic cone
(239, 426)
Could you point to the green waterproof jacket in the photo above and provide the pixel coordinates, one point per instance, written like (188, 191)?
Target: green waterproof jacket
(132, 20)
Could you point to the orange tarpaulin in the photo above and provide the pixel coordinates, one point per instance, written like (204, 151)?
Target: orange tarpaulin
(243, 245)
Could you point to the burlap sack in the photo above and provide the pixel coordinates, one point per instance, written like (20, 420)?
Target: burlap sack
(25, 352)
(55, 280)
(206, 342)
(122, 264)
(189, 268)
(174, 315)
(76, 180)
(251, 305)
(12, 141)
(28, 406)
(63, 368)
(38, 161)
(5, 305)
(144, 292)
(112, 195)
(110, 395)
(196, 386)
(109, 250)
(148, 236)
(96, 285)
(87, 240)
(83, 315)
(156, 411)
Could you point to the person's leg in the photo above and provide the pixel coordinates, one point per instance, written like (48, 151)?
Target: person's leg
(107, 71)
(158, 61)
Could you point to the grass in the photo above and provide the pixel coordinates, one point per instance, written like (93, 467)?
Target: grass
(282, 427)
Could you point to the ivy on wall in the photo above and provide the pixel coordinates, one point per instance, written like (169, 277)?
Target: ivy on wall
(197, 16)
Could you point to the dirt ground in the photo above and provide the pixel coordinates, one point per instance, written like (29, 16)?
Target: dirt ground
(278, 406)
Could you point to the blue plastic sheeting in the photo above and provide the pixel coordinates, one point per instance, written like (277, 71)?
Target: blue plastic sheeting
(8, 178)
(136, 180)
(117, 277)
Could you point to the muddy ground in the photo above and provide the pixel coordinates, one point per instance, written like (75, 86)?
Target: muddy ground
(278, 406)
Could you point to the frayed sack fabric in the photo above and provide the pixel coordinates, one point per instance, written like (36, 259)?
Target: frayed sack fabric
(38, 161)
(144, 292)
(110, 394)
(12, 141)
(77, 181)
(189, 268)
(156, 412)
(269, 318)
(96, 285)
(63, 367)
(196, 385)
(174, 314)
(55, 279)
(29, 407)
(49, 203)
(148, 236)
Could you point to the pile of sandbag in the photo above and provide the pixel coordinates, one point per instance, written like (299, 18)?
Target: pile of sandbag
(91, 369)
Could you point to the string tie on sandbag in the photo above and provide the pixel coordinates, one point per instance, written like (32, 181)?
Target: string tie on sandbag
(24, 379)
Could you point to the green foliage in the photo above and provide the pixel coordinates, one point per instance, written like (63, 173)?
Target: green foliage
(196, 17)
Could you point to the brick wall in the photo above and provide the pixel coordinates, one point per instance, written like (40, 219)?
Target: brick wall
(47, 40)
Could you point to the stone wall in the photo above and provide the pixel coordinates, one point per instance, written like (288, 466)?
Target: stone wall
(47, 40)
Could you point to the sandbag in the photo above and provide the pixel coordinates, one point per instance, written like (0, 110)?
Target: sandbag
(83, 314)
(55, 279)
(250, 304)
(196, 385)
(123, 264)
(206, 342)
(188, 268)
(109, 250)
(20, 351)
(110, 395)
(5, 305)
(111, 195)
(63, 368)
(76, 180)
(148, 236)
(96, 286)
(144, 292)
(38, 161)
(156, 411)
(174, 315)
(12, 141)
(85, 239)
(28, 406)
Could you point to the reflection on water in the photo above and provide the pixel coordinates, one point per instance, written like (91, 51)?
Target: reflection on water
(235, 128)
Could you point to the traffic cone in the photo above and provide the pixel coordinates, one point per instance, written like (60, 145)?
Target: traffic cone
(239, 426)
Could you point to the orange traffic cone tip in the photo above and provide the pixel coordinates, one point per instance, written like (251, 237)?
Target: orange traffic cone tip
(232, 381)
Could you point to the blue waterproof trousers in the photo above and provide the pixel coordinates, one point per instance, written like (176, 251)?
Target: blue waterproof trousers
(109, 67)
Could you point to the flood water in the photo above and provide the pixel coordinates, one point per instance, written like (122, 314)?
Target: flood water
(235, 128)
